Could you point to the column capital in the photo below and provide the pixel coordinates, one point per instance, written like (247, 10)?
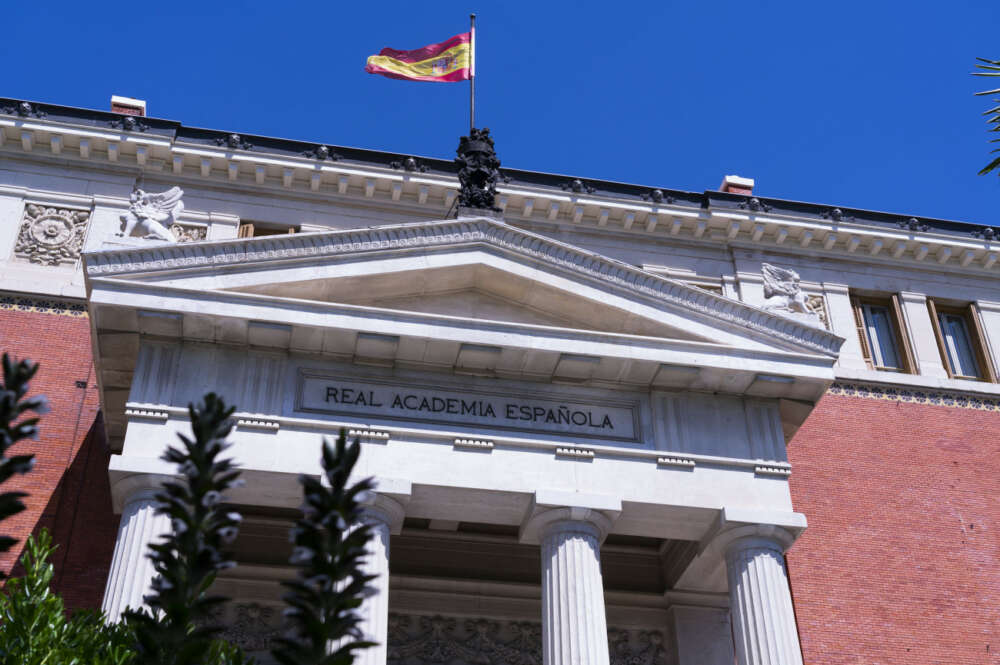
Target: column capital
(551, 508)
(383, 509)
(734, 524)
(706, 572)
(136, 487)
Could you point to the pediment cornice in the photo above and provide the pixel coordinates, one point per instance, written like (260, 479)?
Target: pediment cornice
(455, 233)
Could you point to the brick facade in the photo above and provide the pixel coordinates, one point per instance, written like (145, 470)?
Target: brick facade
(899, 563)
(68, 488)
(901, 500)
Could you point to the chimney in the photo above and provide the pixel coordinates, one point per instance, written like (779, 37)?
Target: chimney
(127, 105)
(735, 184)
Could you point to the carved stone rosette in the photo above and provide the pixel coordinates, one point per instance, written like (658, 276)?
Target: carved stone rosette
(478, 171)
(51, 236)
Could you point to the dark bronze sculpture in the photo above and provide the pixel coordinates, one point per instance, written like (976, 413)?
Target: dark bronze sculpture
(478, 171)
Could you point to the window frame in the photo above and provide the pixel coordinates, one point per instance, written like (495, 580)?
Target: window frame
(977, 338)
(260, 230)
(901, 335)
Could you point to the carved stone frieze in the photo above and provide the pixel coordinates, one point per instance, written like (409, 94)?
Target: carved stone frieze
(250, 626)
(443, 640)
(51, 236)
(184, 233)
(644, 647)
(446, 640)
(783, 294)
(153, 216)
(817, 305)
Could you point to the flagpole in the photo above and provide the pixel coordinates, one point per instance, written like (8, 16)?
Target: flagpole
(472, 73)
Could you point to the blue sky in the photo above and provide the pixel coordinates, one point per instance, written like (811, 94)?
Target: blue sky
(858, 104)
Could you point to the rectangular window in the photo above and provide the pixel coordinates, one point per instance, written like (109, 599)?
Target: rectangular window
(257, 230)
(882, 333)
(961, 342)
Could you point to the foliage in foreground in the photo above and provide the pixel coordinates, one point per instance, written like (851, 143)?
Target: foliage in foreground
(330, 546)
(181, 628)
(35, 630)
(991, 68)
(13, 406)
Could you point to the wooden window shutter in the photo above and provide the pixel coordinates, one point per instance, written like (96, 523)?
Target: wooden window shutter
(245, 231)
(940, 338)
(982, 350)
(859, 322)
(903, 336)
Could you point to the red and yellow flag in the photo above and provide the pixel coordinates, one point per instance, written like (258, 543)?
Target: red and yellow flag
(449, 61)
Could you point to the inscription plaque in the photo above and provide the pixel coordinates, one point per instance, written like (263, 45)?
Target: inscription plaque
(487, 410)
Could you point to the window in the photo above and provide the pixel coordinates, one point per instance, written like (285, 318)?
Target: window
(258, 230)
(961, 342)
(882, 333)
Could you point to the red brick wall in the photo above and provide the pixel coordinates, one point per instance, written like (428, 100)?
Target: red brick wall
(68, 488)
(901, 560)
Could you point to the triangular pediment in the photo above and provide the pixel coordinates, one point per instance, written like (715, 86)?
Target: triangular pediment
(478, 291)
(465, 296)
(464, 270)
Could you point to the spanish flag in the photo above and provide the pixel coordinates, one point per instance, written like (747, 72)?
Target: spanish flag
(449, 61)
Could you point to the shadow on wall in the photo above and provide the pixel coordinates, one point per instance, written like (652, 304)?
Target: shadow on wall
(83, 524)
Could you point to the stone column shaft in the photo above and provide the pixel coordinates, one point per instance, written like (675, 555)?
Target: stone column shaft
(131, 570)
(385, 516)
(764, 628)
(574, 626)
(375, 608)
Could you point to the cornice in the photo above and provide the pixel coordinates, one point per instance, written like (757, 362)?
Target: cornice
(369, 177)
(448, 233)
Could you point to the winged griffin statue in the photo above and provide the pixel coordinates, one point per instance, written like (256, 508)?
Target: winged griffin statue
(151, 215)
(782, 285)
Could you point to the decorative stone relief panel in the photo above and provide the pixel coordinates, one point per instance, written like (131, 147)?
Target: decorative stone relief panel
(188, 233)
(51, 236)
(442, 640)
(817, 305)
(252, 626)
(445, 640)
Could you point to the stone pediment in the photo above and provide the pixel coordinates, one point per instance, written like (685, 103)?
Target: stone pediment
(470, 269)
(467, 296)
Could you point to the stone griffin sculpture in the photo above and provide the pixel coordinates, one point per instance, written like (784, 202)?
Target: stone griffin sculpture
(782, 285)
(150, 216)
(478, 171)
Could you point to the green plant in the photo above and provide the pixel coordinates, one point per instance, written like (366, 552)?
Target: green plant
(991, 68)
(13, 406)
(330, 546)
(34, 628)
(180, 630)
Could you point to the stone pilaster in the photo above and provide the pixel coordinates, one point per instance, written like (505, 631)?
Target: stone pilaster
(131, 570)
(764, 628)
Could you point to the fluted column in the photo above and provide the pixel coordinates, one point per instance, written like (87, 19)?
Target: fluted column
(131, 570)
(384, 516)
(574, 626)
(764, 628)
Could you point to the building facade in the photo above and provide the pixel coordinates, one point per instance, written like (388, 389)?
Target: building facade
(600, 417)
